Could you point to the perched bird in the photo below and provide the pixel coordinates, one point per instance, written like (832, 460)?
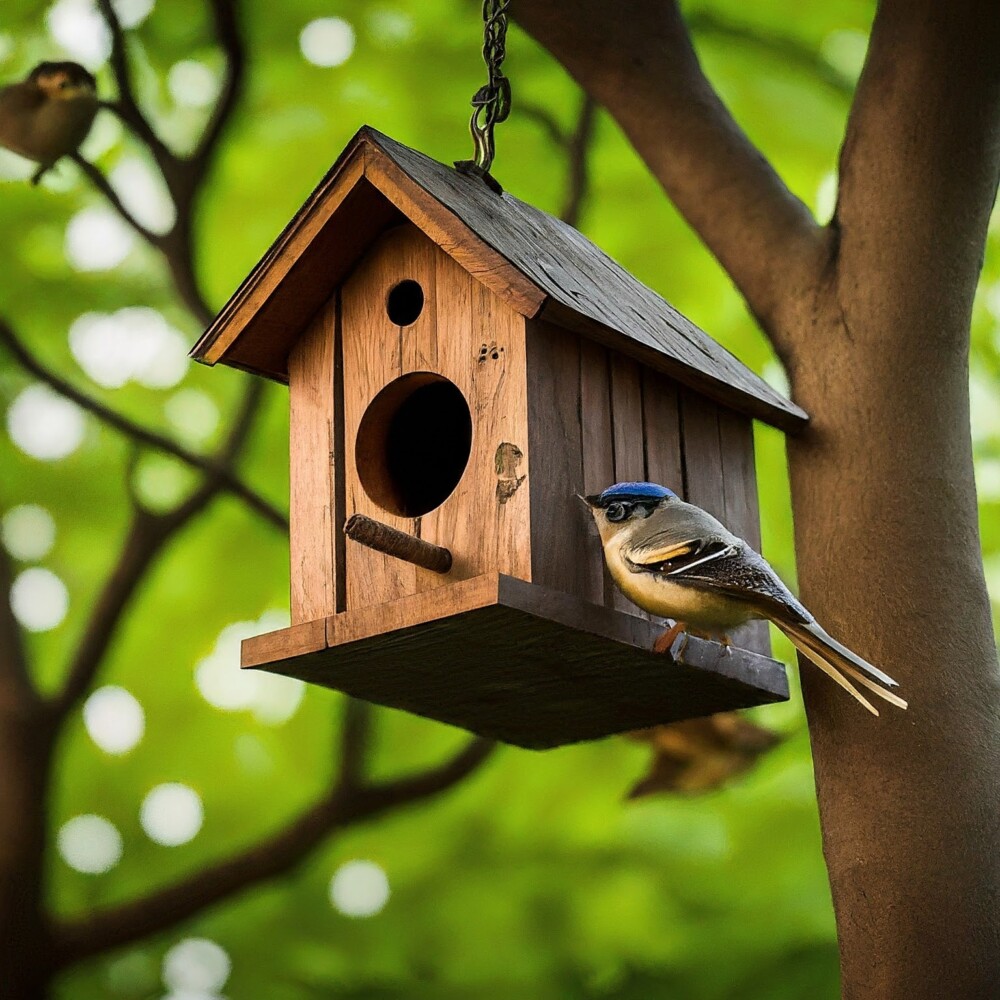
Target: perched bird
(677, 561)
(49, 113)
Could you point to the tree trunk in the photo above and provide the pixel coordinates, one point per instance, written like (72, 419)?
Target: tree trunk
(871, 317)
(25, 948)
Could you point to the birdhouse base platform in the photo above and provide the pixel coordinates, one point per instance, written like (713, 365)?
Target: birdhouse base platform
(518, 662)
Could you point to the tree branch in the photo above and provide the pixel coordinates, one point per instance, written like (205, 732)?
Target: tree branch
(127, 106)
(273, 857)
(145, 539)
(918, 168)
(784, 48)
(643, 69)
(15, 670)
(230, 39)
(142, 435)
(578, 154)
(100, 182)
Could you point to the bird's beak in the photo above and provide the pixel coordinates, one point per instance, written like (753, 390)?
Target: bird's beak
(590, 501)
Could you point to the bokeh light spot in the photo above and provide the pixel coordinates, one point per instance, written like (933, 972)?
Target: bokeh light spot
(114, 719)
(390, 26)
(193, 414)
(44, 424)
(359, 889)
(79, 29)
(97, 240)
(144, 194)
(196, 966)
(192, 84)
(28, 532)
(90, 844)
(327, 41)
(132, 13)
(171, 814)
(39, 599)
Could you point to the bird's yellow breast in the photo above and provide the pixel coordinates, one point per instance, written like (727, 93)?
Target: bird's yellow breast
(704, 609)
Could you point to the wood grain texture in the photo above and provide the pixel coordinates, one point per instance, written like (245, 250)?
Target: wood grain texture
(739, 484)
(662, 420)
(628, 435)
(558, 519)
(311, 469)
(467, 335)
(598, 463)
(524, 664)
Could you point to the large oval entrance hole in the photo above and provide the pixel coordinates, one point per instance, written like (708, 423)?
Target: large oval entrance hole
(413, 444)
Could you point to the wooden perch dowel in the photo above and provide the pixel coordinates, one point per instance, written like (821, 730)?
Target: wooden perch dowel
(383, 538)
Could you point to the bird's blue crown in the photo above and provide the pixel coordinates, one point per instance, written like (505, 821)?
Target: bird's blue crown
(632, 491)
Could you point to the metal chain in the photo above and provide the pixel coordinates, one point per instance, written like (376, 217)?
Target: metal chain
(491, 103)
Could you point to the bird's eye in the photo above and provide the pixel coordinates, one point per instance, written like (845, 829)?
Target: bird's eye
(616, 512)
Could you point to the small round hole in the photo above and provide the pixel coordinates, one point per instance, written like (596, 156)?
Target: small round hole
(405, 303)
(413, 444)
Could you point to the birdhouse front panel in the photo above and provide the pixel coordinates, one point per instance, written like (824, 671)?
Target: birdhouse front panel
(435, 418)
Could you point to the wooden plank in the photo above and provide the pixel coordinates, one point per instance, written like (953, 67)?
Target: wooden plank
(628, 437)
(298, 640)
(525, 664)
(702, 452)
(482, 349)
(662, 421)
(311, 455)
(558, 519)
(598, 464)
(739, 477)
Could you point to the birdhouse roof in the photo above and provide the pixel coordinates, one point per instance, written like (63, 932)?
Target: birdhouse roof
(541, 266)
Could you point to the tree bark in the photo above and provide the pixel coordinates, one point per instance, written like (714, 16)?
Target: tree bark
(25, 944)
(871, 317)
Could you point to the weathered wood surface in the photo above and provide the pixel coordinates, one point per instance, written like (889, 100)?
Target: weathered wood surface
(521, 663)
(532, 261)
(467, 335)
(312, 469)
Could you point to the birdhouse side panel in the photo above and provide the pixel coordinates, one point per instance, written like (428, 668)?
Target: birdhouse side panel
(434, 418)
(720, 476)
(313, 469)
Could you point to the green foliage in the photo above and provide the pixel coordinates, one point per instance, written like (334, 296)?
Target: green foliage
(533, 878)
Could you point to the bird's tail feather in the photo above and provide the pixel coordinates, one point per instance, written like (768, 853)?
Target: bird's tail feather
(835, 659)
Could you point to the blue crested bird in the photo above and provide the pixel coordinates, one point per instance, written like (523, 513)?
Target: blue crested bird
(48, 114)
(675, 560)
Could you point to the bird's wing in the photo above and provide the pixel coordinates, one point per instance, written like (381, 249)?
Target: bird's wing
(737, 570)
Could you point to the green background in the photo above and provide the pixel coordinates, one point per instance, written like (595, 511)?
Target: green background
(534, 878)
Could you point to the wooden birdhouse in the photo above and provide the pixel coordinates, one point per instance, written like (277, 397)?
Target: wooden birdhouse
(460, 365)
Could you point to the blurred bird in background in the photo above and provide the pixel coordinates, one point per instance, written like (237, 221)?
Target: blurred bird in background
(48, 114)
(677, 561)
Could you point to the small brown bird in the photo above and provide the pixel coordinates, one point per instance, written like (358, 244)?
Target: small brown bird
(48, 114)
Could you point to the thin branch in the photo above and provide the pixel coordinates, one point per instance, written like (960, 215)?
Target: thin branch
(118, 926)
(784, 48)
(578, 152)
(544, 118)
(230, 481)
(230, 39)
(644, 70)
(355, 736)
(100, 182)
(147, 536)
(127, 106)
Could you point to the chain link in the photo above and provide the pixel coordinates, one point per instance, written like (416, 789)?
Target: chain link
(491, 103)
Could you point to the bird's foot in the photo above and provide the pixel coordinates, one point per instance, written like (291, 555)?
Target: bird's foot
(665, 641)
(727, 644)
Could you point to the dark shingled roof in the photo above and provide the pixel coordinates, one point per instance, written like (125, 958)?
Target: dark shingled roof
(580, 286)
